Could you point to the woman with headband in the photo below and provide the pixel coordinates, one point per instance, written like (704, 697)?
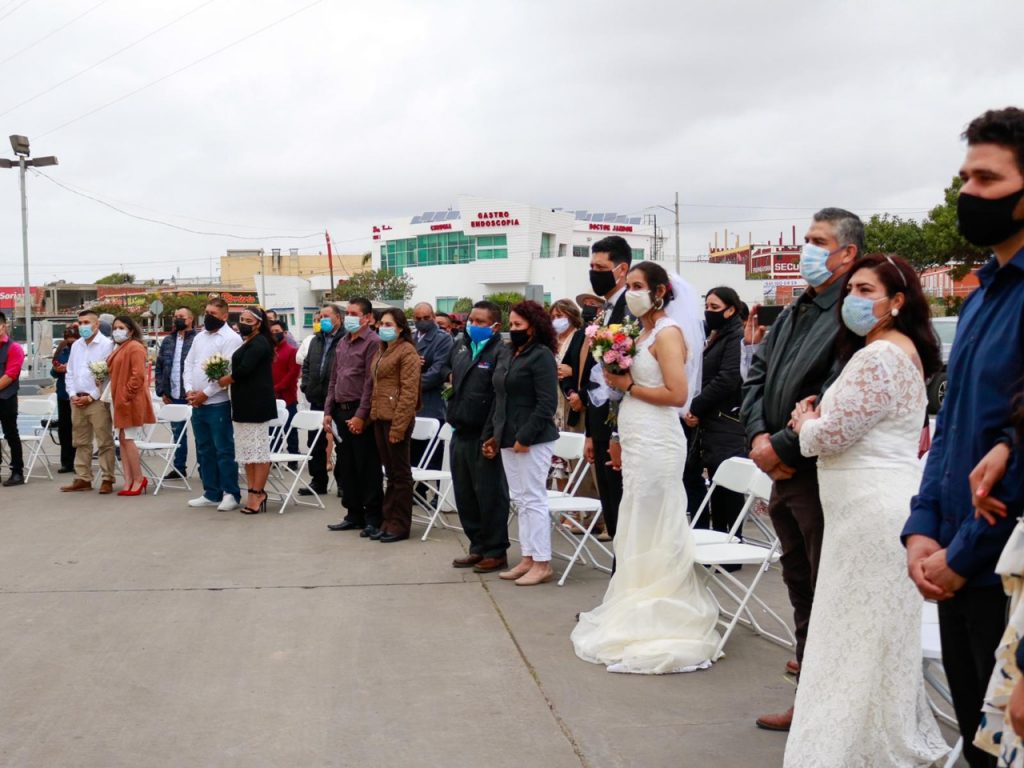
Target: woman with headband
(253, 404)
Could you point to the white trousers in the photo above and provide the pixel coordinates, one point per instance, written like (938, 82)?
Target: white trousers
(527, 475)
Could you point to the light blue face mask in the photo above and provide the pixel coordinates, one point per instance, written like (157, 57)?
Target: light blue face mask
(388, 334)
(813, 267)
(859, 314)
(352, 323)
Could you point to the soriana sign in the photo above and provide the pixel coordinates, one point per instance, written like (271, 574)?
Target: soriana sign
(493, 219)
(12, 295)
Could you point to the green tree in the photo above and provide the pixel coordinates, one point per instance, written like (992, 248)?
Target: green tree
(901, 237)
(506, 301)
(376, 285)
(116, 278)
(463, 306)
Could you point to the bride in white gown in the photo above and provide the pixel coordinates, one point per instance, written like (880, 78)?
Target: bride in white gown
(657, 617)
(861, 699)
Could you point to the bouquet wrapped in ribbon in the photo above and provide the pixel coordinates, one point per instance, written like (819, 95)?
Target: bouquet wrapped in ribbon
(99, 370)
(216, 367)
(614, 346)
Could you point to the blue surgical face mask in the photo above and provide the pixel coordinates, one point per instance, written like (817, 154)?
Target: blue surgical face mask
(388, 334)
(326, 325)
(479, 333)
(859, 314)
(85, 331)
(352, 323)
(813, 266)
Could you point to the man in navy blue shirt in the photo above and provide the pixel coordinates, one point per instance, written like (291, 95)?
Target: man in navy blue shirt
(951, 554)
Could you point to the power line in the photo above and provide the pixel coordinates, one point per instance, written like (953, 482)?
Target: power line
(106, 198)
(104, 60)
(183, 68)
(15, 9)
(50, 34)
(169, 224)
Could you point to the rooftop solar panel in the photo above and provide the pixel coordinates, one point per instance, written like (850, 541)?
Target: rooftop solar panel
(428, 216)
(452, 215)
(416, 220)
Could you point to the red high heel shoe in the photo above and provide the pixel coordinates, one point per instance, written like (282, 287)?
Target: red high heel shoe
(136, 491)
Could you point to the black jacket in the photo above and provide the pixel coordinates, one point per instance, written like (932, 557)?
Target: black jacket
(795, 360)
(597, 416)
(165, 363)
(721, 393)
(473, 381)
(576, 358)
(436, 348)
(252, 393)
(314, 384)
(525, 399)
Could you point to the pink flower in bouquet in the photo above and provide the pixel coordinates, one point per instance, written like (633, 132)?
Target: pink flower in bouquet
(625, 363)
(591, 331)
(609, 357)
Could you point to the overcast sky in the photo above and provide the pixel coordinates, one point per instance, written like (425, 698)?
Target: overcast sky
(348, 114)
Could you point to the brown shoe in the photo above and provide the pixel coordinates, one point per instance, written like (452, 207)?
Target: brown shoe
(490, 564)
(466, 562)
(780, 722)
(106, 487)
(76, 486)
(792, 667)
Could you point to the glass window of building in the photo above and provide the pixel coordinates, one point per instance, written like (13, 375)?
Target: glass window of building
(492, 247)
(546, 241)
(446, 303)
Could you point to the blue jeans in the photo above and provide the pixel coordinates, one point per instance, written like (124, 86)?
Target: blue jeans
(181, 453)
(215, 450)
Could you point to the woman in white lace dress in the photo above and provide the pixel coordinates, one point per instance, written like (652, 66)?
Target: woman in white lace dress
(657, 616)
(861, 698)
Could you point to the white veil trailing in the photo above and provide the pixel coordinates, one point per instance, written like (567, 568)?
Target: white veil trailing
(687, 310)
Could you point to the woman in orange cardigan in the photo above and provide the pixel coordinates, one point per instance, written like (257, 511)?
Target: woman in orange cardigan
(396, 398)
(129, 395)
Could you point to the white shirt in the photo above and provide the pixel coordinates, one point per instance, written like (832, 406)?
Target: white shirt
(179, 344)
(79, 379)
(601, 393)
(300, 356)
(204, 345)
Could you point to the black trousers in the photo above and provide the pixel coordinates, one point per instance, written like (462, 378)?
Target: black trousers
(360, 476)
(796, 513)
(707, 450)
(9, 425)
(318, 459)
(971, 625)
(609, 486)
(397, 508)
(67, 443)
(481, 496)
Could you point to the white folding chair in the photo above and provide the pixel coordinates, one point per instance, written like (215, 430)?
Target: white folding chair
(277, 427)
(715, 556)
(442, 478)
(740, 476)
(312, 421)
(561, 504)
(36, 414)
(934, 675)
(166, 414)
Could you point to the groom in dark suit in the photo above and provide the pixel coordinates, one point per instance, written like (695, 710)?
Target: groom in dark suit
(610, 260)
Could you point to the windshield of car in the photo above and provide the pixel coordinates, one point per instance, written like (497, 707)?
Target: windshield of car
(946, 331)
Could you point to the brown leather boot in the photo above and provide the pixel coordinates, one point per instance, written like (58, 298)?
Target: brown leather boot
(779, 722)
(491, 564)
(106, 487)
(466, 562)
(76, 486)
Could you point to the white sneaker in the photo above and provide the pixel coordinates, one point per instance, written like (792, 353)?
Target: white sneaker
(227, 504)
(202, 501)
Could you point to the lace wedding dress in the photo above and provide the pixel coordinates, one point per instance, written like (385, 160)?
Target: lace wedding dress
(861, 698)
(657, 616)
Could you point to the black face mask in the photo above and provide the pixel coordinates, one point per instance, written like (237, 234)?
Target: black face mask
(987, 222)
(245, 330)
(715, 320)
(278, 337)
(179, 323)
(519, 338)
(212, 324)
(602, 282)
(589, 314)
(425, 326)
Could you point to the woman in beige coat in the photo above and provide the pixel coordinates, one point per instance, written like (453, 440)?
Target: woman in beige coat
(129, 396)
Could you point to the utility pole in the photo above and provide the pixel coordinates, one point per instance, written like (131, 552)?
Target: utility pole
(20, 145)
(677, 233)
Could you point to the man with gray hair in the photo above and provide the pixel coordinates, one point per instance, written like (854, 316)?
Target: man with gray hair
(435, 349)
(800, 356)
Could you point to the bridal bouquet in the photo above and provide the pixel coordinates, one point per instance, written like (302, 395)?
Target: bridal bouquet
(614, 346)
(216, 367)
(99, 370)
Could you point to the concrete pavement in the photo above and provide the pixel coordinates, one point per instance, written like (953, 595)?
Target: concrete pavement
(141, 632)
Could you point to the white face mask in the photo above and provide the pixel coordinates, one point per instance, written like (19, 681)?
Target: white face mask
(639, 302)
(561, 324)
(119, 335)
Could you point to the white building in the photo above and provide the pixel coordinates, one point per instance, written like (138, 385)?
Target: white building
(493, 246)
(296, 299)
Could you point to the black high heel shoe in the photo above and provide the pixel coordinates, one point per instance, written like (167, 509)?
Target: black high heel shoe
(263, 504)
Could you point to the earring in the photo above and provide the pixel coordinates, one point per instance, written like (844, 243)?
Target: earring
(895, 312)
(659, 303)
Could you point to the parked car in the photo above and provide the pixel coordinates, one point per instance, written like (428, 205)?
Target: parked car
(945, 329)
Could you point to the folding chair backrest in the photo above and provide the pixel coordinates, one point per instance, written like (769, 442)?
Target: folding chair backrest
(36, 407)
(425, 429)
(735, 474)
(174, 412)
(761, 486)
(569, 446)
(312, 421)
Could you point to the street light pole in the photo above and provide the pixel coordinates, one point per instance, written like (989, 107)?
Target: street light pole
(677, 233)
(20, 146)
(674, 210)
